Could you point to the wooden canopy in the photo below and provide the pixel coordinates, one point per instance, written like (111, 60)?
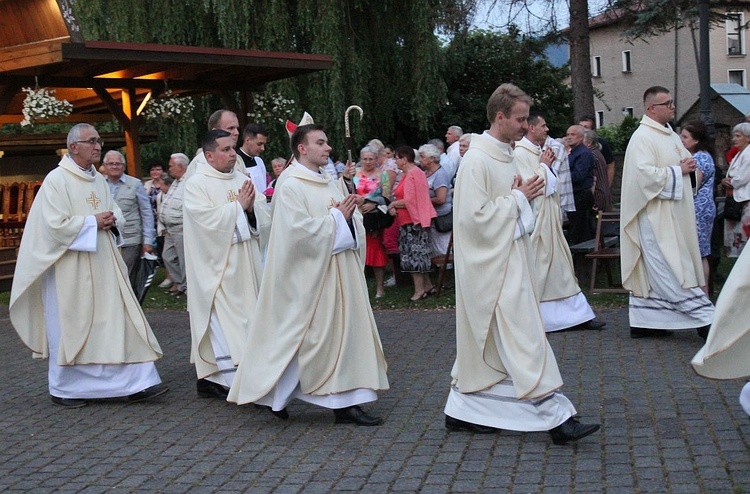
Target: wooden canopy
(42, 45)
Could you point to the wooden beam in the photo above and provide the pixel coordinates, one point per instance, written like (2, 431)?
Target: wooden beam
(74, 118)
(31, 54)
(112, 106)
(132, 142)
(207, 85)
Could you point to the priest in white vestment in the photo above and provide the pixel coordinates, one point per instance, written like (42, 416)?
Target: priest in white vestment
(222, 120)
(314, 336)
(563, 304)
(71, 300)
(660, 260)
(726, 354)
(505, 375)
(223, 217)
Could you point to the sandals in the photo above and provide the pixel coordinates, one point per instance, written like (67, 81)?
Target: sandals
(421, 297)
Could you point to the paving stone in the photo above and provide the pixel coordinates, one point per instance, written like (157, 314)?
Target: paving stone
(664, 428)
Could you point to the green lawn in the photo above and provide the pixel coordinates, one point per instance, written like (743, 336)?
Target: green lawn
(398, 297)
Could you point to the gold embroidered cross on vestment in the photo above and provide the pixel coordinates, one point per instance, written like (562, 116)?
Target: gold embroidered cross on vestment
(94, 200)
(231, 196)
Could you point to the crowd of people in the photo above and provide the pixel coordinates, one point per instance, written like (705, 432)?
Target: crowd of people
(273, 267)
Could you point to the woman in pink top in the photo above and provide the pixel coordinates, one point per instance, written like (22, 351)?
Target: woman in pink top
(414, 212)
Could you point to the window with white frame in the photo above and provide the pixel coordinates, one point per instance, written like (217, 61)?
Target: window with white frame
(626, 61)
(596, 67)
(599, 119)
(735, 33)
(737, 77)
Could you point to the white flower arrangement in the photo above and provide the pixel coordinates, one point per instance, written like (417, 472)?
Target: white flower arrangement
(41, 103)
(170, 107)
(271, 107)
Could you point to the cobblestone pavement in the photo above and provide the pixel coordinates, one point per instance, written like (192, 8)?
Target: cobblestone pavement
(664, 429)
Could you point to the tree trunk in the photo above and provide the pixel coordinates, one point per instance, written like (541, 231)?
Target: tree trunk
(580, 59)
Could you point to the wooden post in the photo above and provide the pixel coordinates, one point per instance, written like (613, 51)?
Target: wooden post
(132, 139)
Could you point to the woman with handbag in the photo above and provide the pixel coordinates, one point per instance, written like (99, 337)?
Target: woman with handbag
(414, 212)
(439, 181)
(368, 183)
(695, 138)
(737, 186)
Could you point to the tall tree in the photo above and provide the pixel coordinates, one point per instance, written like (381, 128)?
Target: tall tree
(577, 35)
(477, 62)
(386, 53)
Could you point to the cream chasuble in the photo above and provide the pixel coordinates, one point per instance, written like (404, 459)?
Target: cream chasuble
(313, 305)
(652, 150)
(100, 319)
(499, 329)
(726, 354)
(222, 261)
(553, 263)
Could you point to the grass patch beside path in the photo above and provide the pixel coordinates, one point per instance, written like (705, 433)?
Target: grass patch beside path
(396, 298)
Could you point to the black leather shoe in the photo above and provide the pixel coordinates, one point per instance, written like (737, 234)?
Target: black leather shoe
(282, 414)
(208, 389)
(703, 331)
(649, 333)
(355, 415)
(148, 393)
(571, 430)
(455, 425)
(593, 324)
(68, 402)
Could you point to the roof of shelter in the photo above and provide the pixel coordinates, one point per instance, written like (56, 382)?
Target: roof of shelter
(42, 45)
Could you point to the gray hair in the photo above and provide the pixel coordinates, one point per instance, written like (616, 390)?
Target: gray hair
(456, 130)
(180, 158)
(278, 160)
(590, 136)
(376, 144)
(166, 178)
(742, 128)
(429, 150)
(114, 151)
(465, 137)
(75, 132)
(438, 144)
(369, 149)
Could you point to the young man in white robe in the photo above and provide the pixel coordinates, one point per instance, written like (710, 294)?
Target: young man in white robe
(660, 260)
(563, 304)
(314, 336)
(71, 300)
(505, 375)
(223, 217)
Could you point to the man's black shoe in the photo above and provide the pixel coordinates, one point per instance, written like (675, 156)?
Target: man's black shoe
(148, 393)
(208, 389)
(282, 414)
(355, 415)
(68, 402)
(593, 324)
(703, 331)
(455, 425)
(649, 333)
(571, 430)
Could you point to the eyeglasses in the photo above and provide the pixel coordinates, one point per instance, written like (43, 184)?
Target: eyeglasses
(93, 141)
(666, 103)
(114, 163)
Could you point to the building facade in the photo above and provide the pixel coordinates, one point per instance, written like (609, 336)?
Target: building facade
(622, 70)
